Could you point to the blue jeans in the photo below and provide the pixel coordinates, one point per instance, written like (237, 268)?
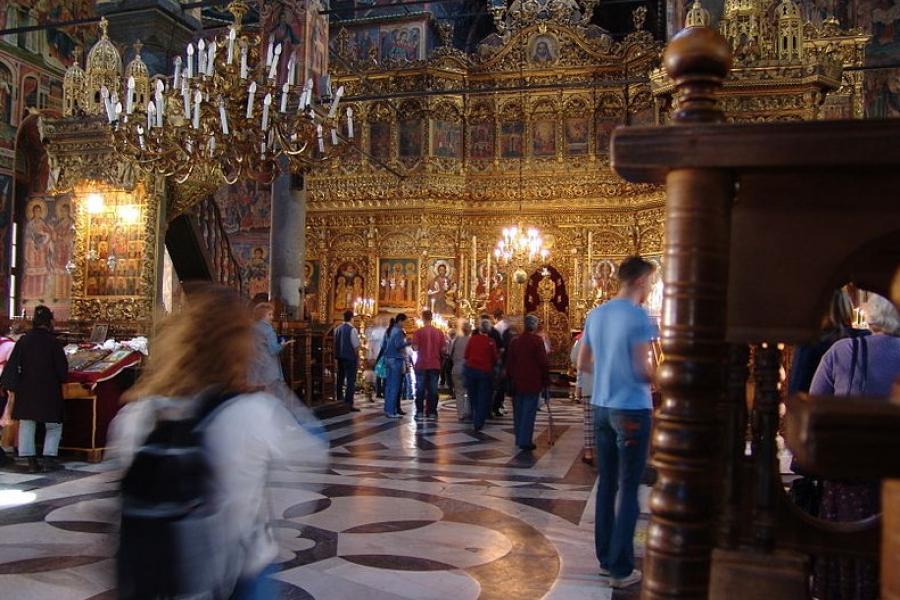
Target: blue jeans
(524, 412)
(392, 384)
(346, 380)
(51, 438)
(427, 386)
(479, 384)
(622, 438)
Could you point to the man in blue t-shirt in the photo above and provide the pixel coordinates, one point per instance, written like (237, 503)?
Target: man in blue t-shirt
(617, 337)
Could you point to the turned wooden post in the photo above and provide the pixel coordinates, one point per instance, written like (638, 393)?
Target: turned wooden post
(698, 211)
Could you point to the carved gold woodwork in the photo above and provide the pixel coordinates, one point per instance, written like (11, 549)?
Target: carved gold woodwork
(783, 69)
(82, 161)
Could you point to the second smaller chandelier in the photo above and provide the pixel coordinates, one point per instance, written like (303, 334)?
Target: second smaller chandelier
(520, 245)
(231, 111)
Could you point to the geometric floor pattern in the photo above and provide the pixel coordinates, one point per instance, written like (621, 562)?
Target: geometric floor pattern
(405, 510)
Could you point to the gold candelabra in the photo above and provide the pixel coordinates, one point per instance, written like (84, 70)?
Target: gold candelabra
(364, 309)
(228, 112)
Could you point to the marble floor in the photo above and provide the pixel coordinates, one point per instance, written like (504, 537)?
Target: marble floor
(406, 510)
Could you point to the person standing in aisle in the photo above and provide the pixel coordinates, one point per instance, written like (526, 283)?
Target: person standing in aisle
(584, 384)
(430, 345)
(617, 335)
(529, 374)
(458, 356)
(395, 344)
(481, 358)
(42, 369)
(346, 351)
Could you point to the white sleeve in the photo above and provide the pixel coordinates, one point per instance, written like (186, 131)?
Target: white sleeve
(354, 338)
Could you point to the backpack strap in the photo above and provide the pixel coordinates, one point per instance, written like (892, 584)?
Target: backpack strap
(211, 405)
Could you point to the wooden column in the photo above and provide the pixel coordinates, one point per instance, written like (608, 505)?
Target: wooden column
(698, 208)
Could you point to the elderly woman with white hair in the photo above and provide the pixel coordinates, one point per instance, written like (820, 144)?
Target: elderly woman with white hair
(858, 366)
(481, 356)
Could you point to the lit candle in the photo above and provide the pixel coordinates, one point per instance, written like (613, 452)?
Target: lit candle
(252, 92)
(243, 59)
(350, 123)
(160, 105)
(273, 69)
(321, 141)
(223, 117)
(284, 97)
(211, 61)
(232, 34)
(198, 97)
(177, 77)
(334, 103)
(151, 115)
(269, 51)
(267, 101)
(129, 98)
(201, 57)
(190, 61)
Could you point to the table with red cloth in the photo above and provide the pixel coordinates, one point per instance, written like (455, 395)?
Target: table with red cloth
(93, 396)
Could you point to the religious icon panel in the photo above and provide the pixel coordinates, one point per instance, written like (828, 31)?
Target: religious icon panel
(380, 140)
(403, 42)
(511, 139)
(442, 290)
(482, 136)
(349, 284)
(577, 132)
(543, 50)
(48, 247)
(446, 139)
(115, 245)
(604, 134)
(311, 272)
(398, 284)
(544, 137)
(410, 138)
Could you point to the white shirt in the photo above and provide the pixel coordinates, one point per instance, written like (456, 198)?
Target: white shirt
(376, 338)
(243, 439)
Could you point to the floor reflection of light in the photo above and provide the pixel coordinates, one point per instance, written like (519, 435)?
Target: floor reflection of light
(16, 497)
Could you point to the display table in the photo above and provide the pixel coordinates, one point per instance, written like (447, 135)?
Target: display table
(97, 380)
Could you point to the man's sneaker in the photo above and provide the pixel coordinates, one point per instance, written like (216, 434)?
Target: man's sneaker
(625, 582)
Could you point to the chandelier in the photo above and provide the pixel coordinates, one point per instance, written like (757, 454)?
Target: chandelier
(520, 245)
(227, 113)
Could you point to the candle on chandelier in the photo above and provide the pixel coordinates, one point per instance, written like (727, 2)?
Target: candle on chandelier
(201, 57)
(211, 60)
(273, 69)
(186, 98)
(252, 92)
(269, 51)
(284, 97)
(211, 145)
(160, 104)
(232, 34)
(309, 88)
(118, 109)
(129, 99)
(350, 123)
(176, 79)
(334, 137)
(198, 97)
(104, 93)
(151, 115)
(334, 103)
(243, 59)
(223, 117)
(267, 101)
(190, 60)
(140, 132)
(292, 67)
(321, 141)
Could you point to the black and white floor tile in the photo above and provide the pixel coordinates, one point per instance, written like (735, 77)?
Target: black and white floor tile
(407, 510)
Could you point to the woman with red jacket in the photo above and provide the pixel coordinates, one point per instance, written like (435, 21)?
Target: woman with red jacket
(528, 370)
(481, 356)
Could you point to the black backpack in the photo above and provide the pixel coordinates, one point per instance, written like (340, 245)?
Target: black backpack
(172, 533)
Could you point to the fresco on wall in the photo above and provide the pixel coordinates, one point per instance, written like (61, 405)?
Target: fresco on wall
(398, 283)
(403, 42)
(446, 139)
(410, 138)
(482, 134)
(55, 46)
(246, 210)
(7, 131)
(882, 93)
(47, 242)
(380, 140)
(442, 288)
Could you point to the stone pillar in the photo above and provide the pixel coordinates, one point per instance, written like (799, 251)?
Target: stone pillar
(287, 250)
